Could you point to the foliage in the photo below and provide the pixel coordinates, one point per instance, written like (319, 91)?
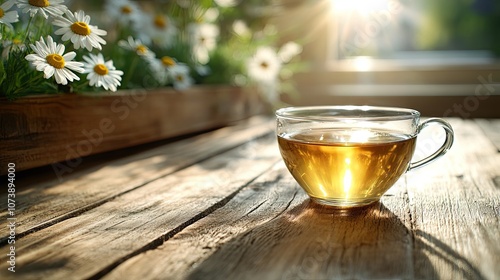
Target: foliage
(462, 25)
(148, 44)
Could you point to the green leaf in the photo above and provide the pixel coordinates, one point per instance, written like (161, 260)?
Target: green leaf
(206, 3)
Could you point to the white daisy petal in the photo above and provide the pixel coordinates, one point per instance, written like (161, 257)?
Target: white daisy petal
(179, 74)
(33, 57)
(288, 51)
(48, 72)
(60, 79)
(138, 47)
(125, 12)
(69, 56)
(75, 66)
(69, 75)
(41, 67)
(264, 66)
(203, 39)
(7, 5)
(157, 28)
(54, 8)
(8, 17)
(99, 32)
(78, 30)
(99, 74)
(49, 58)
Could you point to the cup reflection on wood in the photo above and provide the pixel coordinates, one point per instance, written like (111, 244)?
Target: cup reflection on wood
(349, 156)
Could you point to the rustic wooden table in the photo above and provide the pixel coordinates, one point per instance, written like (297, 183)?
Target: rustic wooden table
(221, 205)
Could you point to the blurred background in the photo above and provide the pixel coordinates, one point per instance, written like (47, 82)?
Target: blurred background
(438, 56)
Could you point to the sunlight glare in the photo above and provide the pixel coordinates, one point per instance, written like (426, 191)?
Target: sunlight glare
(360, 136)
(347, 177)
(363, 63)
(363, 7)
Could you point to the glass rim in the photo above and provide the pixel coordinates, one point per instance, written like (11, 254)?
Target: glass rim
(309, 113)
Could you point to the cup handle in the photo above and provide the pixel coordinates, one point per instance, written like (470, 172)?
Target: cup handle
(442, 150)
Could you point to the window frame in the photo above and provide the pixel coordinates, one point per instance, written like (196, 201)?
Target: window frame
(455, 89)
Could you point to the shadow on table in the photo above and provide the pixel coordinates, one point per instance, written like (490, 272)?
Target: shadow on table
(315, 242)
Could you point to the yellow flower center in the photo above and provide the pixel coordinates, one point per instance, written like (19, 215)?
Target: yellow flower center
(126, 9)
(1, 13)
(39, 3)
(80, 28)
(179, 78)
(16, 41)
(141, 49)
(55, 60)
(101, 69)
(160, 22)
(167, 61)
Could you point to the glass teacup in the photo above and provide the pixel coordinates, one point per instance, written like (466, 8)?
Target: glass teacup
(349, 156)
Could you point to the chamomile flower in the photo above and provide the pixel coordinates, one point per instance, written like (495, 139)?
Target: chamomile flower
(203, 40)
(76, 28)
(211, 15)
(14, 45)
(264, 66)
(168, 68)
(101, 73)
(241, 28)
(168, 62)
(180, 77)
(124, 11)
(50, 59)
(54, 8)
(159, 68)
(8, 17)
(158, 29)
(138, 47)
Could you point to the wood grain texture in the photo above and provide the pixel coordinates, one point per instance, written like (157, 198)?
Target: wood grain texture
(271, 230)
(456, 208)
(98, 239)
(237, 213)
(48, 202)
(425, 228)
(40, 130)
(491, 127)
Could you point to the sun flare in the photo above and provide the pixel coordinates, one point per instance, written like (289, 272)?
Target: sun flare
(363, 7)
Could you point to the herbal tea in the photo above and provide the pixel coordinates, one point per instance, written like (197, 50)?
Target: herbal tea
(346, 167)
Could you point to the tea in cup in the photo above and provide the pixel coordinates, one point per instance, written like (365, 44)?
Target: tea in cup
(349, 156)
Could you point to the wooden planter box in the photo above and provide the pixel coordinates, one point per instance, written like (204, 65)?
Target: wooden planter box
(42, 130)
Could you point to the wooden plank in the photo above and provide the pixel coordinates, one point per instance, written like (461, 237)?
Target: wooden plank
(102, 237)
(271, 230)
(491, 127)
(40, 130)
(48, 202)
(437, 222)
(455, 209)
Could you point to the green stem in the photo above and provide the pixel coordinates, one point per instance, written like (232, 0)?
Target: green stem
(128, 74)
(81, 86)
(27, 30)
